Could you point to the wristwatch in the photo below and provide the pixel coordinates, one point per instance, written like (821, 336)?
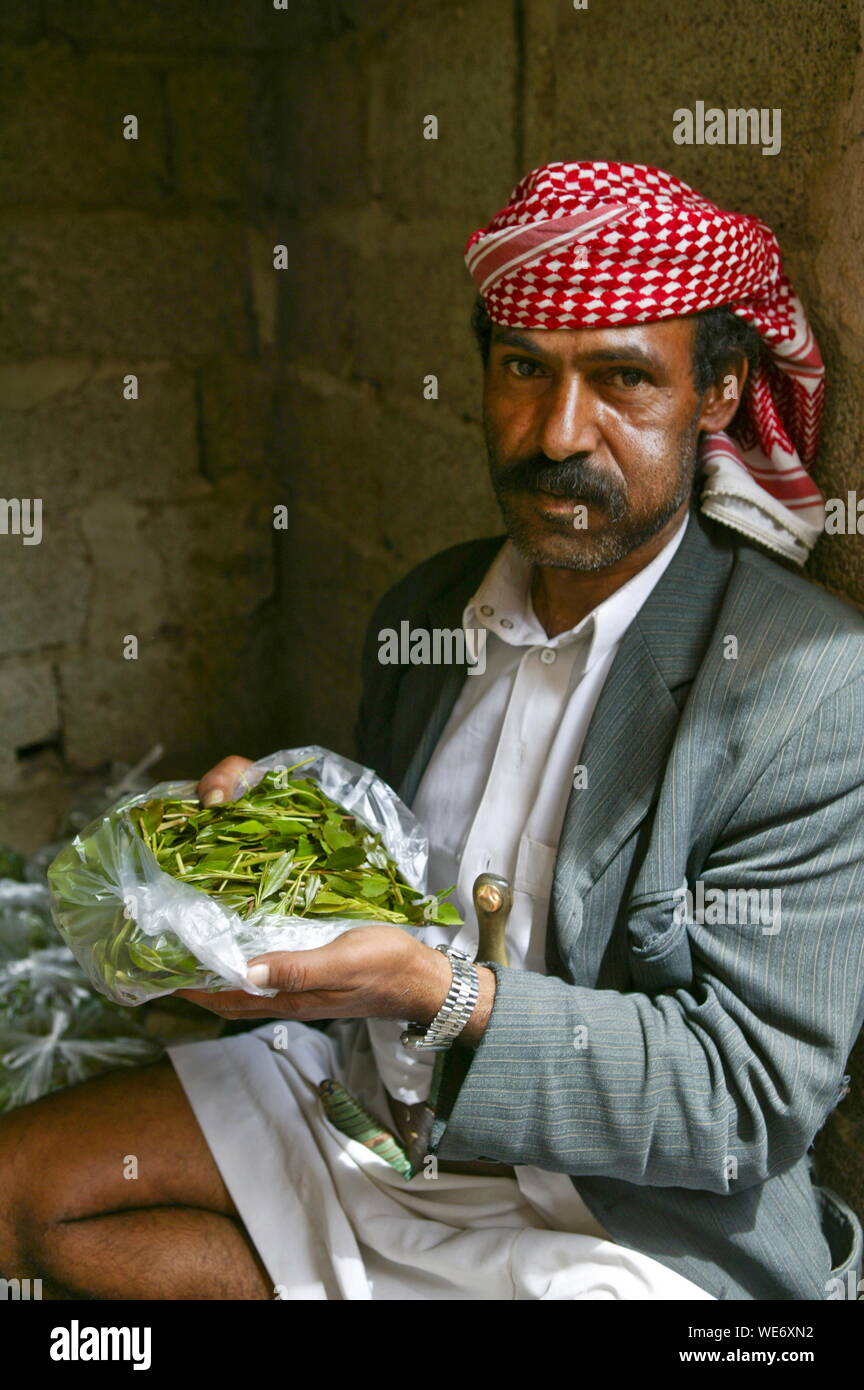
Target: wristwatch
(454, 1013)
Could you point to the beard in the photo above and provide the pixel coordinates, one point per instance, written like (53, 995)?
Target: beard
(553, 539)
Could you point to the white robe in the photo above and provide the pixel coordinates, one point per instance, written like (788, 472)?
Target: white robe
(333, 1220)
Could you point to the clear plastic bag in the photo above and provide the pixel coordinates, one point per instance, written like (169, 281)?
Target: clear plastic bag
(53, 1029)
(107, 879)
(25, 919)
(41, 978)
(52, 1046)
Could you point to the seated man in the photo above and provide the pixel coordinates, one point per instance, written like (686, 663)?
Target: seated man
(661, 752)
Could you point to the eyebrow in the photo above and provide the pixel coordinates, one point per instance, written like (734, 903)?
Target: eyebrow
(626, 352)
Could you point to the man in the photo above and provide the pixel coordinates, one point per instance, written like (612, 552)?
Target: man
(662, 755)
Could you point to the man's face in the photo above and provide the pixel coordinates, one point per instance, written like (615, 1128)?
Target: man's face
(603, 420)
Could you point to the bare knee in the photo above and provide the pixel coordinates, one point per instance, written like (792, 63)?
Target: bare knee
(60, 1157)
(125, 1139)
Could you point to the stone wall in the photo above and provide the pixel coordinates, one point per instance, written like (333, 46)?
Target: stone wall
(304, 387)
(153, 257)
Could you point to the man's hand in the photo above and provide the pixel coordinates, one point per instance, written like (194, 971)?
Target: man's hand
(218, 784)
(374, 971)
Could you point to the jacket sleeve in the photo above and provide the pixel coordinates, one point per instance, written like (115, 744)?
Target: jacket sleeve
(721, 1084)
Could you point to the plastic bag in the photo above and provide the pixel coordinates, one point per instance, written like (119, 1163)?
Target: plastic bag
(25, 919)
(107, 883)
(49, 1047)
(53, 1029)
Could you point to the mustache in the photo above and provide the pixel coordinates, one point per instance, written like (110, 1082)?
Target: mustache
(576, 478)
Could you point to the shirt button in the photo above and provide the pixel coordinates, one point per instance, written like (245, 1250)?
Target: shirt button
(548, 655)
(505, 622)
(485, 609)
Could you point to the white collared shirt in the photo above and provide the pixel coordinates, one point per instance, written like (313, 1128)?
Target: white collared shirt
(494, 793)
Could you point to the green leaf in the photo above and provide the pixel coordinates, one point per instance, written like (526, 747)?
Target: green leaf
(217, 858)
(374, 886)
(343, 886)
(275, 874)
(150, 815)
(325, 898)
(311, 889)
(348, 858)
(336, 837)
(290, 827)
(447, 914)
(145, 957)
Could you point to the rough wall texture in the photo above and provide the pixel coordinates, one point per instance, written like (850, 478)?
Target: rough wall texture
(303, 387)
(151, 257)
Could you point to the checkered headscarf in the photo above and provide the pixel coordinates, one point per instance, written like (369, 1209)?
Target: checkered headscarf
(602, 244)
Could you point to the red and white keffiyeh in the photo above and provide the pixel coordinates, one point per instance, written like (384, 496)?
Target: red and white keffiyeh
(597, 244)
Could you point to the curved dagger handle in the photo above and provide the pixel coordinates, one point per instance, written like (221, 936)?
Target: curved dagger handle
(492, 903)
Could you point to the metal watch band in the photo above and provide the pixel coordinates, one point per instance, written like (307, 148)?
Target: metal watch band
(454, 1013)
(459, 1004)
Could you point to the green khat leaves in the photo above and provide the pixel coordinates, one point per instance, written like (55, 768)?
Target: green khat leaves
(284, 850)
(287, 844)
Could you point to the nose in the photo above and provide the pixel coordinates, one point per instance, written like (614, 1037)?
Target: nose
(567, 425)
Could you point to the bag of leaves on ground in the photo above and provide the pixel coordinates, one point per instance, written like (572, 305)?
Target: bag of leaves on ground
(53, 1029)
(44, 1048)
(160, 894)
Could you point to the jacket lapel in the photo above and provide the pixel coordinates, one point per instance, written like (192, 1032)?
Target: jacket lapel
(634, 721)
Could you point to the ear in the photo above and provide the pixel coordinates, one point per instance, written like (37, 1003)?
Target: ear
(722, 399)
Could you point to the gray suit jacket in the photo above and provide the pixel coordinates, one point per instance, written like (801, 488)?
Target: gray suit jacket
(678, 1071)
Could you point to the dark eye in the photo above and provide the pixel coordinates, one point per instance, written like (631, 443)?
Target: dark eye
(515, 363)
(631, 376)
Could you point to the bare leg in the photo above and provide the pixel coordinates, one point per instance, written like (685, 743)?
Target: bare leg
(73, 1214)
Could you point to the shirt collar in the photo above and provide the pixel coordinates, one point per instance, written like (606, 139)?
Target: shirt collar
(502, 603)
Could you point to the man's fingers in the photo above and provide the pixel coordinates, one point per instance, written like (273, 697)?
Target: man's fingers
(331, 967)
(218, 784)
(228, 1003)
(289, 971)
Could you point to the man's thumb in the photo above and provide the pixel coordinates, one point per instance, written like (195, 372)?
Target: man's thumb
(283, 970)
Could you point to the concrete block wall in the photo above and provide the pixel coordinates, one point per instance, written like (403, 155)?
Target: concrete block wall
(150, 257)
(304, 387)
